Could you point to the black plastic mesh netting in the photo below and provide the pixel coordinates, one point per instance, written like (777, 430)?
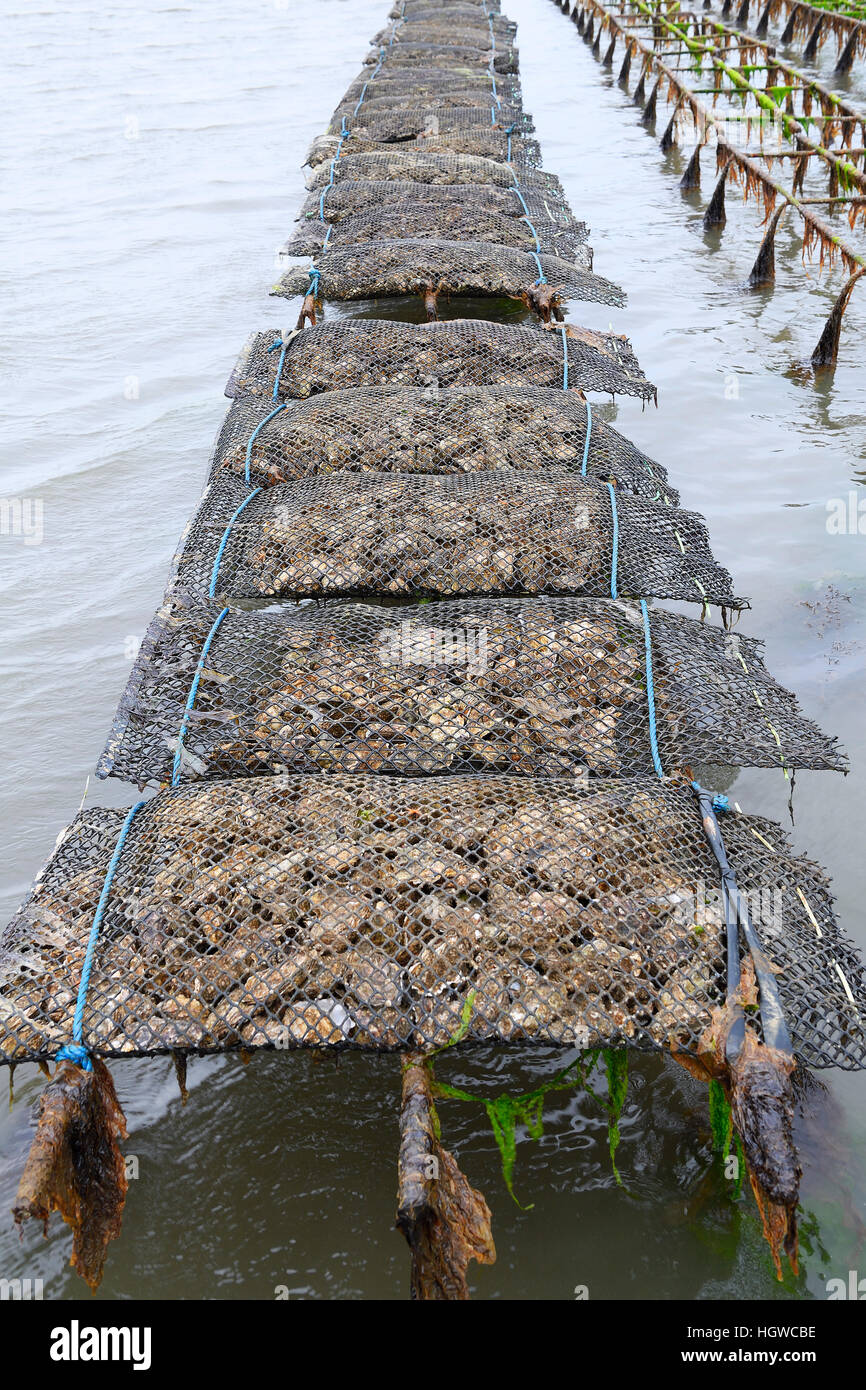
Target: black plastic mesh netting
(395, 429)
(412, 264)
(458, 352)
(365, 197)
(539, 687)
(440, 219)
(423, 85)
(374, 912)
(485, 142)
(381, 119)
(410, 535)
(412, 9)
(448, 27)
(420, 166)
(409, 104)
(452, 56)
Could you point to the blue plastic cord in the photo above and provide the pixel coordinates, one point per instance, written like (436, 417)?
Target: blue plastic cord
(532, 229)
(284, 347)
(252, 439)
(225, 540)
(614, 558)
(564, 358)
(76, 1051)
(650, 690)
(586, 443)
(541, 277)
(193, 691)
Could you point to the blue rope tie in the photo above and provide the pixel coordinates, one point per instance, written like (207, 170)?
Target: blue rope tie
(193, 691)
(284, 405)
(541, 276)
(520, 196)
(77, 1051)
(327, 236)
(650, 689)
(533, 231)
(586, 442)
(283, 350)
(564, 357)
(614, 558)
(360, 98)
(225, 540)
(315, 277)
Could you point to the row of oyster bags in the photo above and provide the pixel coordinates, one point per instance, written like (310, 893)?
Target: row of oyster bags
(539, 687)
(380, 913)
(443, 120)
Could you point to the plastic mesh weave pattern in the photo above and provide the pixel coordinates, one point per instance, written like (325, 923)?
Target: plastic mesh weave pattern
(410, 265)
(459, 352)
(420, 166)
(479, 533)
(366, 912)
(540, 687)
(394, 429)
(440, 219)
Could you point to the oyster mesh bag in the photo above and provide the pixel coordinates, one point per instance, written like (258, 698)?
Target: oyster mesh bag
(404, 103)
(458, 352)
(454, 57)
(480, 533)
(420, 166)
(441, 219)
(396, 429)
(476, 142)
(543, 687)
(442, 27)
(412, 118)
(412, 9)
(376, 912)
(430, 84)
(411, 265)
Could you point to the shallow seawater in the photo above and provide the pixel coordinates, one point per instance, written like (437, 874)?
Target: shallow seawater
(155, 170)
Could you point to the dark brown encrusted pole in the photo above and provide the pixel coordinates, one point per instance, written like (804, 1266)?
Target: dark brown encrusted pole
(764, 270)
(544, 299)
(75, 1165)
(764, 22)
(445, 1221)
(430, 307)
(715, 215)
(691, 179)
(649, 112)
(790, 28)
(308, 311)
(827, 349)
(848, 54)
(607, 62)
(811, 50)
(626, 66)
(668, 139)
